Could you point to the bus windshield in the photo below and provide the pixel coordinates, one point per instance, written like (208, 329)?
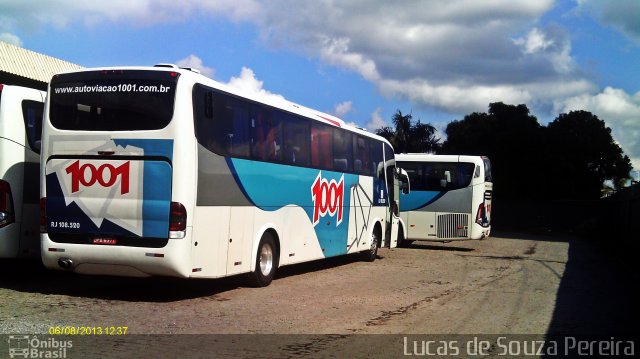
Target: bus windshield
(113, 100)
(438, 176)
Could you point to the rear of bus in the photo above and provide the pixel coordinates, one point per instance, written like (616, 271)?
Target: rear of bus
(110, 202)
(20, 129)
(450, 197)
(482, 197)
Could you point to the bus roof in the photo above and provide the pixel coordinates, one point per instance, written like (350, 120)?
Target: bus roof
(428, 157)
(194, 76)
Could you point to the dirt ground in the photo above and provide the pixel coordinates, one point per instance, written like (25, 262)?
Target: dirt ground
(507, 284)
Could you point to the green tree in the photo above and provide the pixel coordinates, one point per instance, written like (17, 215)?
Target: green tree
(571, 158)
(407, 137)
(511, 138)
(583, 155)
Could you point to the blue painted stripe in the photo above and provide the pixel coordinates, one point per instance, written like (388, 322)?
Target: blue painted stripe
(272, 186)
(419, 199)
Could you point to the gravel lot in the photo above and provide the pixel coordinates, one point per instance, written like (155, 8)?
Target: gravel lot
(507, 284)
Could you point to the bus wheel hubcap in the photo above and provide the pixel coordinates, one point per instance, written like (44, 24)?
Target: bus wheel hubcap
(374, 243)
(266, 259)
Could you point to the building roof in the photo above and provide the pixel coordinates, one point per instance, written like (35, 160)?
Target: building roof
(31, 65)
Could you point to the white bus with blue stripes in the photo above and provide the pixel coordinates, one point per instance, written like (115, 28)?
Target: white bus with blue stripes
(163, 171)
(450, 198)
(20, 129)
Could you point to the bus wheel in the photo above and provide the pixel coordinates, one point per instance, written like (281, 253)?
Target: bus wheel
(401, 240)
(266, 262)
(371, 254)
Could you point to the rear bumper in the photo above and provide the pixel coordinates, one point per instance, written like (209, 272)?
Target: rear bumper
(172, 260)
(9, 240)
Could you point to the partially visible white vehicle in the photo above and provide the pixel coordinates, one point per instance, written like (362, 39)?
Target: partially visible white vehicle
(450, 197)
(20, 131)
(162, 171)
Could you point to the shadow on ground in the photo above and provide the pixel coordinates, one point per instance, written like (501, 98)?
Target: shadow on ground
(598, 293)
(31, 276)
(439, 246)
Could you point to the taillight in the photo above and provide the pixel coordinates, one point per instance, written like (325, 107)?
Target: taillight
(480, 214)
(6, 204)
(177, 220)
(43, 215)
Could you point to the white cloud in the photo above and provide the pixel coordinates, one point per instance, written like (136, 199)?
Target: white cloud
(376, 121)
(343, 108)
(336, 52)
(550, 44)
(447, 54)
(622, 15)
(534, 42)
(195, 62)
(456, 56)
(11, 39)
(59, 13)
(453, 55)
(619, 110)
(455, 98)
(248, 83)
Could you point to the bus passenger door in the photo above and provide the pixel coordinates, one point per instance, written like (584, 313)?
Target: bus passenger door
(394, 209)
(240, 235)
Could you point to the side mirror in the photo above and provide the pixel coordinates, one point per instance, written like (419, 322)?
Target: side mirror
(403, 178)
(446, 180)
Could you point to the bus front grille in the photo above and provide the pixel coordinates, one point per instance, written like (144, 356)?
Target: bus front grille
(453, 226)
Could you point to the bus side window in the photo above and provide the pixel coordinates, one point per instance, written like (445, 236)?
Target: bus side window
(431, 178)
(487, 169)
(240, 135)
(375, 152)
(267, 136)
(321, 146)
(208, 104)
(361, 156)
(32, 113)
(208, 133)
(220, 128)
(203, 113)
(342, 150)
(296, 141)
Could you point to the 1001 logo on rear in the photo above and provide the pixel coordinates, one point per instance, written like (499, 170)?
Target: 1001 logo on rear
(106, 175)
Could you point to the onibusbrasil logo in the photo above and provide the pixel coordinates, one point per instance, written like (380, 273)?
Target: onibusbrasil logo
(31, 346)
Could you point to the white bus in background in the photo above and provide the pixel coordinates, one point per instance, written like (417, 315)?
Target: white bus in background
(162, 171)
(20, 129)
(450, 197)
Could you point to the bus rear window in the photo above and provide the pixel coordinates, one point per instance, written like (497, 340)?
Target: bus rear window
(487, 169)
(113, 101)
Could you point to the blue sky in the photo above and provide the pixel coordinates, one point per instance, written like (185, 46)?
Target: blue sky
(363, 60)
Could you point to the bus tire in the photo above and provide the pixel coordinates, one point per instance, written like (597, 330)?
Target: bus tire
(266, 262)
(401, 241)
(371, 254)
